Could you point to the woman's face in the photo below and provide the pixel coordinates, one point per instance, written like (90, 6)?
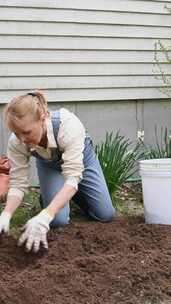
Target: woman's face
(29, 131)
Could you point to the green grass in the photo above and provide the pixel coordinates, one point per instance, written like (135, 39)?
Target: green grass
(28, 209)
(128, 200)
(128, 207)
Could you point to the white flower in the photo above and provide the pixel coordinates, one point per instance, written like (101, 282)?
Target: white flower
(140, 135)
(129, 152)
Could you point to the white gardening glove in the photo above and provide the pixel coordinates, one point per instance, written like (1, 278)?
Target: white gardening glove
(36, 231)
(4, 221)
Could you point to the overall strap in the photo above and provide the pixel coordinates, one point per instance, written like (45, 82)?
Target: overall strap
(56, 154)
(56, 124)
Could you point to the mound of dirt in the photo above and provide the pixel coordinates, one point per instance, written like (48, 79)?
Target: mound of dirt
(123, 262)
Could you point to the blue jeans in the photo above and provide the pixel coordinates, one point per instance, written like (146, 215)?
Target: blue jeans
(92, 195)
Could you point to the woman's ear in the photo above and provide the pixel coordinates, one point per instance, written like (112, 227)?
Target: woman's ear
(43, 116)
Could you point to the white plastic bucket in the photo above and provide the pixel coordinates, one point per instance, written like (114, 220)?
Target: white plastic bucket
(156, 186)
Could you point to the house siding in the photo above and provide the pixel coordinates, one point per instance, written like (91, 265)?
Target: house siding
(83, 50)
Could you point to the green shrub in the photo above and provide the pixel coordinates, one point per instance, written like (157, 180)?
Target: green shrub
(117, 160)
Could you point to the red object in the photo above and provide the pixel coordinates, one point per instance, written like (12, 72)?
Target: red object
(4, 164)
(4, 175)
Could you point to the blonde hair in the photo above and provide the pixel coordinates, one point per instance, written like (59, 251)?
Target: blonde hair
(33, 104)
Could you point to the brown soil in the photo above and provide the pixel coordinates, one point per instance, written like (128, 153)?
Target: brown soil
(125, 261)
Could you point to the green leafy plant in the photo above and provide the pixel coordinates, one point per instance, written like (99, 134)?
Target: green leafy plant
(162, 146)
(117, 160)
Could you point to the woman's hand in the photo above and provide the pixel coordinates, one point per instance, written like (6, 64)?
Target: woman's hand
(5, 218)
(35, 232)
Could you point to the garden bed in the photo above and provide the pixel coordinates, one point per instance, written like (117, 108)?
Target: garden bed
(123, 262)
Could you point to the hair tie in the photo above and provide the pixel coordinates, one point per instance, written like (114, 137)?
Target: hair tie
(32, 94)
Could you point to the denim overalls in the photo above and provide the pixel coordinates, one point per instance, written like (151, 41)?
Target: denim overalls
(92, 195)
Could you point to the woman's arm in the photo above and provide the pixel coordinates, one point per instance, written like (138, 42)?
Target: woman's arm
(12, 204)
(18, 155)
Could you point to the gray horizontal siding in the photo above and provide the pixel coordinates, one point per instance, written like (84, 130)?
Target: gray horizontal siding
(82, 16)
(94, 94)
(83, 50)
(78, 82)
(74, 43)
(82, 30)
(78, 56)
(81, 69)
(145, 6)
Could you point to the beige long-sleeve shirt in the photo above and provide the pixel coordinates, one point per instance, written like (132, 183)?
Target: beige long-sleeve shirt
(70, 140)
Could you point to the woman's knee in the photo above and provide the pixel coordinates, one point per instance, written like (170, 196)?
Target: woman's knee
(108, 215)
(105, 215)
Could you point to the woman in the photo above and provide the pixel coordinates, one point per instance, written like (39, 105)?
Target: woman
(66, 163)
